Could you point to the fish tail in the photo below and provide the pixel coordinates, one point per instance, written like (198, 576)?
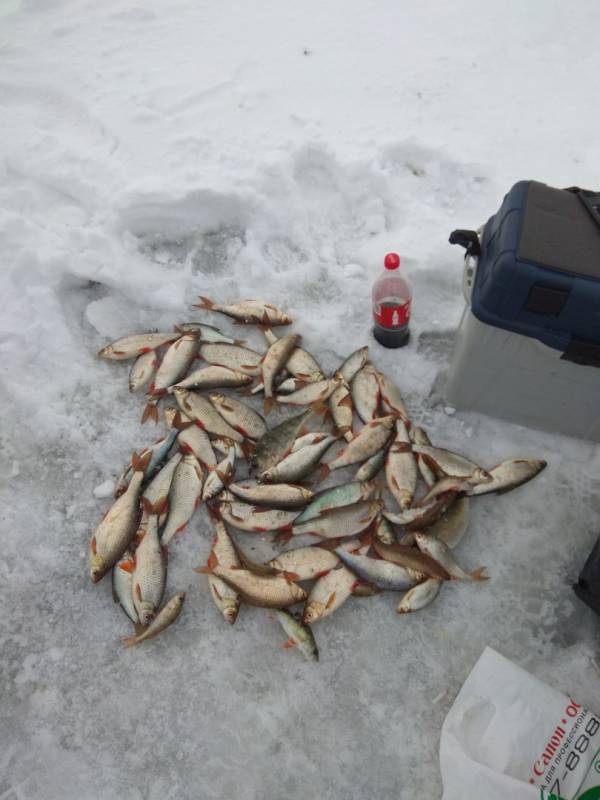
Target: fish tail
(130, 641)
(479, 574)
(140, 463)
(204, 303)
(319, 407)
(203, 570)
(150, 412)
(268, 404)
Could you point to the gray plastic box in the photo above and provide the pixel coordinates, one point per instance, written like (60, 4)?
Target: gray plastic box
(518, 378)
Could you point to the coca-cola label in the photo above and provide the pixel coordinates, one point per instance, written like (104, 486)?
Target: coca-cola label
(392, 312)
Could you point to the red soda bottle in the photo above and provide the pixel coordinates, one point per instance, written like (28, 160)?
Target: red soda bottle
(391, 299)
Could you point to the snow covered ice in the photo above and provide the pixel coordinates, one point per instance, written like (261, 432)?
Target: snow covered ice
(153, 152)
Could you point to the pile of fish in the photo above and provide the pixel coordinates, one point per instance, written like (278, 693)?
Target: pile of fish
(360, 537)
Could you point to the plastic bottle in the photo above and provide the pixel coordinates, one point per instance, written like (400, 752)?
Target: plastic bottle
(391, 299)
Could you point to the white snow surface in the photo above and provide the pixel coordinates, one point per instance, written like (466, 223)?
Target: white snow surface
(155, 151)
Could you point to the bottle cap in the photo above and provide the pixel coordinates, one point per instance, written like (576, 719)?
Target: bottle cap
(392, 261)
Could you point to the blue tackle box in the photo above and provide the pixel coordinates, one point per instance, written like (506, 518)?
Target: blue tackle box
(528, 345)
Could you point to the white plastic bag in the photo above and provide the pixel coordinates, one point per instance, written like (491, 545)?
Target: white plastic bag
(508, 736)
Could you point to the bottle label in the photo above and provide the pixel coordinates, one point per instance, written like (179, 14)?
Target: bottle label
(392, 312)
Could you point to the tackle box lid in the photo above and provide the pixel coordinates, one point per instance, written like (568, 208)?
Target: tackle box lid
(539, 269)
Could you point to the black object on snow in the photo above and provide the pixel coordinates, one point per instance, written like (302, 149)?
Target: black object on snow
(587, 587)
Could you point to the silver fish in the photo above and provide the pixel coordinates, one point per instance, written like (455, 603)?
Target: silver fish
(212, 377)
(184, 496)
(280, 495)
(508, 475)
(136, 345)
(365, 393)
(118, 526)
(341, 522)
(419, 596)
(240, 416)
(419, 436)
(341, 407)
(300, 635)
(401, 467)
(383, 574)
(223, 552)
(248, 311)
(440, 551)
(371, 438)
(275, 359)
(336, 497)
(312, 394)
(384, 530)
(161, 483)
(331, 590)
(219, 477)
(208, 333)
(424, 514)
(234, 357)
(305, 563)
(450, 484)
(300, 363)
(248, 518)
(452, 464)
(166, 617)
(453, 523)
(175, 363)
(265, 591)
(299, 463)
(202, 411)
(353, 363)
(391, 399)
(194, 439)
(142, 370)
(122, 576)
(371, 466)
(150, 574)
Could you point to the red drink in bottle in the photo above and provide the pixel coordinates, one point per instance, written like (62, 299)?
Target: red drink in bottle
(391, 299)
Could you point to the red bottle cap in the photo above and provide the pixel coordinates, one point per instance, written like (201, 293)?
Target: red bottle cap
(391, 261)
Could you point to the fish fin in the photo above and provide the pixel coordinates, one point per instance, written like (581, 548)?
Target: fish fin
(138, 628)
(283, 536)
(214, 511)
(346, 401)
(130, 641)
(204, 303)
(137, 591)
(179, 422)
(93, 545)
(269, 404)
(127, 566)
(289, 643)
(303, 431)
(248, 449)
(323, 473)
(291, 576)
(319, 407)
(329, 544)
(330, 600)
(248, 366)
(479, 574)
(185, 449)
(203, 570)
